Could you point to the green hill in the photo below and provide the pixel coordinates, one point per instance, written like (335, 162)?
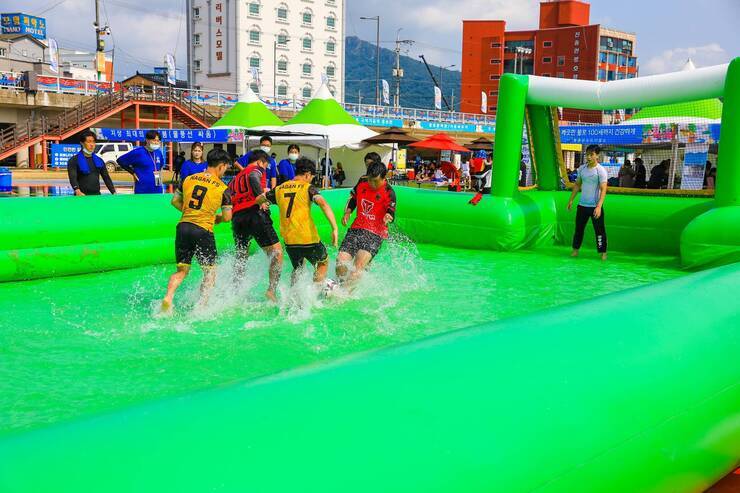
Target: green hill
(417, 89)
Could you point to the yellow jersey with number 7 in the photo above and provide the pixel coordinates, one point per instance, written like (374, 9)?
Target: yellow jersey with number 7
(203, 194)
(294, 198)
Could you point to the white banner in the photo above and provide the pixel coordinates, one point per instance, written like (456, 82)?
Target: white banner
(169, 62)
(694, 166)
(53, 56)
(437, 98)
(255, 74)
(386, 92)
(483, 102)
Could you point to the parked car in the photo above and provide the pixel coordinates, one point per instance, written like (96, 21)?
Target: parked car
(111, 151)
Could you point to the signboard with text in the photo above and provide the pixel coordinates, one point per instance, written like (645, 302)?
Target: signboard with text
(60, 154)
(219, 33)
(204, 135)
(23, 24)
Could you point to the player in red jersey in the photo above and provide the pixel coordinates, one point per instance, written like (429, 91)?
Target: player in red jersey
(375, 202)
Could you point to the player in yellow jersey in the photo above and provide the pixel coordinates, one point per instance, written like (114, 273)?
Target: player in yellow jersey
(294, 198)
(199, 197)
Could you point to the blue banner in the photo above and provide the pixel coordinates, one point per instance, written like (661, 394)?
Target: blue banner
(372, 121)
(448, 127)
(204, 135)
(23, 24)
(601, 134)
(60, 154)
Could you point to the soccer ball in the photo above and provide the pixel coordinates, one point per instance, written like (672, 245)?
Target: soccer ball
(330, 285)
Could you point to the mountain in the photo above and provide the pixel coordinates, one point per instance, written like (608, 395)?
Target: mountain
(417, 88)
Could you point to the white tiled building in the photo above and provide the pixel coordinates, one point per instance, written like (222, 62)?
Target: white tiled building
(292, 44)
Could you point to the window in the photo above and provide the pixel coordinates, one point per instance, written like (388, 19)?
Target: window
(307, 18)
(307, 43)
(546, 74)
(282, 65)
(331, 46)
(331, 22)
(560, 75)
(196, 13)
(254, 61)
(602, 74)
(632, 62)
(307, 68)
(547, 44)
(493, 93)
(622, 61)
(546, 59)
(561, 61)
(3, 52)
(282, 89)
(602, 57)
(494, 77)
(254, 36)
(196, 65)
(306, 92)
(495, 61)
(196, 39)
(575, 76)
(254, 9)
(612, 59)
(330, 71)
(282, 40)
(495, 45)
(255, 87)
(513, 45)
(630, 76)
(282, 13)
(610, 75)
(123, 147)
(107, 148)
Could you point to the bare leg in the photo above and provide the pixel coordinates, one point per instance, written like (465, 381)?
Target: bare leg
(320, 273)
(362, 259)
(209, 280)
(574, 253)
(174, 283)
(344, 260)
(241, 255)
(275, 256)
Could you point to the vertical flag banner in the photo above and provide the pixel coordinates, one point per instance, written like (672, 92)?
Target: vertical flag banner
(53, 56)
(483, 102)
(437, 98)
(324, 78)
(255, 74)
(386, 92)
(169, 62)
(694, 162)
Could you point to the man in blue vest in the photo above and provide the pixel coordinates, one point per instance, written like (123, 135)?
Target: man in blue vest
(85, 168)
(145, 163)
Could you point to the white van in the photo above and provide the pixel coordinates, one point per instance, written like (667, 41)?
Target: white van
(111, 151)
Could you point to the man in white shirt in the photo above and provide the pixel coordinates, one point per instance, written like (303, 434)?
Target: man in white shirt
(591, 182)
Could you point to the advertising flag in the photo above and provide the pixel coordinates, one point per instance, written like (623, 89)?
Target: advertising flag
(53, 55)
(169, 62)
(386, 92)
(483, 102)
(437, 98)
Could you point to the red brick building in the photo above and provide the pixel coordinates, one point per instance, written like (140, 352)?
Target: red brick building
(565, 45)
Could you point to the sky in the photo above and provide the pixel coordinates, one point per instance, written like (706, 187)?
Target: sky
(668, 31)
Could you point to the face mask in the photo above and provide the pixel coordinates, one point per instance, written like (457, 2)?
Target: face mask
(153, 147)
(86, 152)
(266, 149)
(293, 157)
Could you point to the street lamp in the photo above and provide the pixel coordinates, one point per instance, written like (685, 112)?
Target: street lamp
(377, 56)
(520, 50)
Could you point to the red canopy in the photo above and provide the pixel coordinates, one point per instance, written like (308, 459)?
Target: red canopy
(440, 142)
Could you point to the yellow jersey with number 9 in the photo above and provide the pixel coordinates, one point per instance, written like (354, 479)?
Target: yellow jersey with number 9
(294, 199)
(203, 194)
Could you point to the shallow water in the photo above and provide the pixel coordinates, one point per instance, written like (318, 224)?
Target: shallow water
(78, 345)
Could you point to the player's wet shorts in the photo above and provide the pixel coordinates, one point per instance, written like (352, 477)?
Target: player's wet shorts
(192, 240)
(314, 253)
(361, 239)
(253, 223)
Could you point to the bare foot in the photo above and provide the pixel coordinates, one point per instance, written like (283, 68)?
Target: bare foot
(166, 306)
(270, 295)
(603, 256)
(574, 253)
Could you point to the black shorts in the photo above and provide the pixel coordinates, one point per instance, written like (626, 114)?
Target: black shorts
(190, 240)
(361, 239)
(255, 224)
(314, 254)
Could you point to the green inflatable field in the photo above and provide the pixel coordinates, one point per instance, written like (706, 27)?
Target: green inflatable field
(476, 356)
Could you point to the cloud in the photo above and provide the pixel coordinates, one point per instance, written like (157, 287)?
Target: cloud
(447, 15)
(674, 59)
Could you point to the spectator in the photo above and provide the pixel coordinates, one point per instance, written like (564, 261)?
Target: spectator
(522, 174)
(145, 163)
(326, 172)
(707, 169)
(266, 147)
(286, 167)
(85, 168)
(640, 174)
(626, 175)
(711, 179)
(177, 166)
(196, 163)
(339, 175)
(465, 174)
(591, 182)
(659, 176)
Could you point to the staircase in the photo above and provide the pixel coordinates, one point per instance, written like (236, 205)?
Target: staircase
(96, 109)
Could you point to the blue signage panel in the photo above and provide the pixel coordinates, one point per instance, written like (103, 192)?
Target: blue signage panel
(60, 154)
(23, 24)
(601, 134)
(372, 121)
(171, 135)
(448, 127)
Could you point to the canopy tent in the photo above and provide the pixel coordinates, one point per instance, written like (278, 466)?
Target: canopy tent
(323, 115)
(249, 113)
(481, 144)
(439, 142)
(393, 135)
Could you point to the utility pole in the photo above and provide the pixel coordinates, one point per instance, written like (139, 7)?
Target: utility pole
(99, 43)
(377, 56)
(398, 71)
(359, 97)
